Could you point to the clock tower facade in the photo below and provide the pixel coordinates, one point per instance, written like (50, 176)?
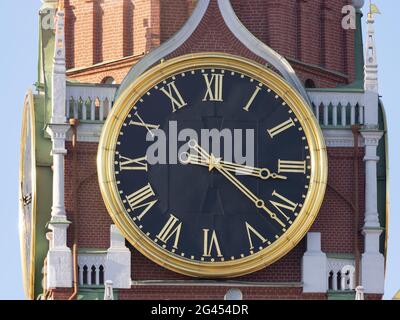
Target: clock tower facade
(304, 219)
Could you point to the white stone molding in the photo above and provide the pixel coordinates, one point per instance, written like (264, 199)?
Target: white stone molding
(168, 47)
(118, 262)
(360, 293)
(340, 138)
(314, 265)
(87, 132)
(259, 48)
(108, 291)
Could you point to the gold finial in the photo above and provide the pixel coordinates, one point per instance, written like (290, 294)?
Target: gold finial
(373, 9)
(61, 5)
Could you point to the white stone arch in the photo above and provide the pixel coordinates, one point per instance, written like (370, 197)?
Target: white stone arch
(236, 27)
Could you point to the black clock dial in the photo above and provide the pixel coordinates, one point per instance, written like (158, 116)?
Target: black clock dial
(204, 204)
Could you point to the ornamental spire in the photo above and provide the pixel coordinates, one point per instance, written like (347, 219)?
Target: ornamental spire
(59, 68)
(371, 61)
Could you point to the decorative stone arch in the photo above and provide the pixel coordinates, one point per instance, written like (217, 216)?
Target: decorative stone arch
(273, 59)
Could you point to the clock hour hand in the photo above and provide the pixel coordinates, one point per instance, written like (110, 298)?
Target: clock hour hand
(215, 163)
(262, 173)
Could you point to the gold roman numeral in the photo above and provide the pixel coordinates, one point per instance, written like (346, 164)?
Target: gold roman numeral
(251, 230)
(248, 105)
(285, 204)
(210, 244)
(137, 200)
(291, 166)
(281, 127)
(172, 227)
(172, 92)
(214, 87)
(133, 164)
(141, 123)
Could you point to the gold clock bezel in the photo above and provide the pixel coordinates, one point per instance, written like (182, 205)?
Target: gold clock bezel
(231, 268)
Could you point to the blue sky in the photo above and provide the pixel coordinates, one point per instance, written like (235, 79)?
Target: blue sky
(18, 66)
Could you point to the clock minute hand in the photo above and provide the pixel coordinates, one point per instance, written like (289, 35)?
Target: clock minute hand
(260, 204)
(262, 173)
(214, 163)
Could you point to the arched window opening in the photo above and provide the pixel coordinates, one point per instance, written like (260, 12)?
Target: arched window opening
(93, 275)
(101, 274)
(108, 80)
(310, 84)
(85, 275)
(339, 280)
(330, 281)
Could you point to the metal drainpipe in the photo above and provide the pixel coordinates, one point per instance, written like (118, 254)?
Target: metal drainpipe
(355, 129)
(74, 124)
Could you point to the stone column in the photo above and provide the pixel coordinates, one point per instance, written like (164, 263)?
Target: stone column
(314, 265)
(59, 258)
(372, 262)
(118, 263)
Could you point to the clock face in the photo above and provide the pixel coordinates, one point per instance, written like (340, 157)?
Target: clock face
(212, 167)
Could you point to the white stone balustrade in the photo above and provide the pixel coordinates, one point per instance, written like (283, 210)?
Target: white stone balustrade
(338, 109)
(96, 267)
(89, 102)
(341, 274)
(93, 103)
(91, 268)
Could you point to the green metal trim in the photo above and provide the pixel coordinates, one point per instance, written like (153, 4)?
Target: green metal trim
(349, 256)
(331, 127)
(91, 286)
(314, 66)
(358, 55)
(44, 182)
(341, 295)
(91, 121)
(383, 179)
(346, 89)
(94, 293)
(91, 251)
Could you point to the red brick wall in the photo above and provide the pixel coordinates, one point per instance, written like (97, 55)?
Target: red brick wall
(109, 30)
(208, 293)
(308, 31)
(91, 222)
(336, 218)
(213, 293)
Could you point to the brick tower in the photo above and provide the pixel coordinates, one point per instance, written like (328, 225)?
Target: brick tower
(91, 54)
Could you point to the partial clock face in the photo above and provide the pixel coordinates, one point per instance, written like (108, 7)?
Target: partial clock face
(27, 195)
(212, 166)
